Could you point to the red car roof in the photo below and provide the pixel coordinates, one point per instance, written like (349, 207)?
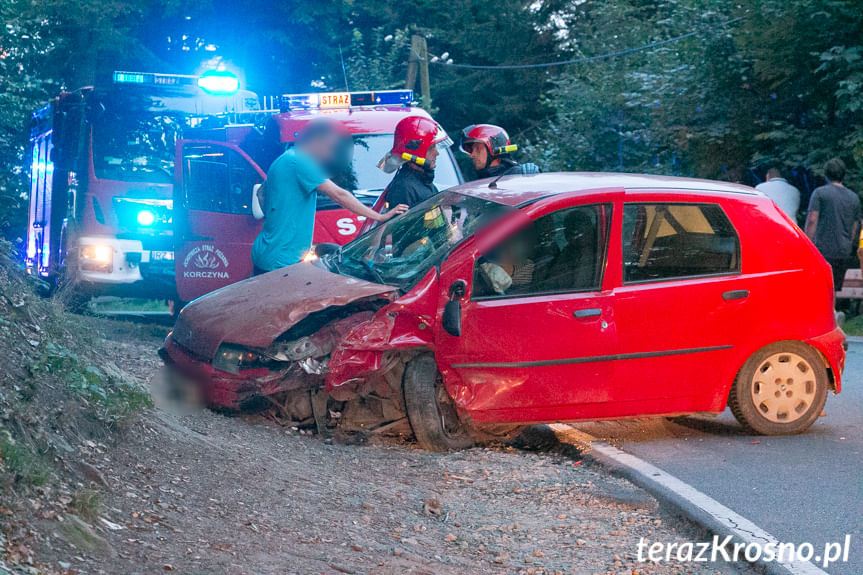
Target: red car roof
(518, 190)
(366, 120)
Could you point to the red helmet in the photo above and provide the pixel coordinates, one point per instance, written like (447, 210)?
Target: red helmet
(495, 139)
(413, 138)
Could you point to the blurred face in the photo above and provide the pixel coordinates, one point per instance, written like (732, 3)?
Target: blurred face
(431, 157)
(479, 155)
(322, 149)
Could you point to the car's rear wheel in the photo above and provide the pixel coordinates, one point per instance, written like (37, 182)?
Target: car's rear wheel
(780, 390)
(431, 411)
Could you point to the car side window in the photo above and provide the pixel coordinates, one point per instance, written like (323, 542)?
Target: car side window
(668, 241)
(217, 179)
(557, 253)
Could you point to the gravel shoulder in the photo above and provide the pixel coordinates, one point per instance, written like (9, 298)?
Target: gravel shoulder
(205, 493)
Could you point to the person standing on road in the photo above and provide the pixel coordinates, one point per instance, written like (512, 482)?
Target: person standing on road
(833, 222)
(416, 144)
(777, 188)
(289, 197)
(489, 149)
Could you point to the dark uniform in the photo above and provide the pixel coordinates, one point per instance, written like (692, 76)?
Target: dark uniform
(508, 167)
(411, 185)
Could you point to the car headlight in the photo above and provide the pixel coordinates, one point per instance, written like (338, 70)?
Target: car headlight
(232, 359)
(97, 257)
(310, 255)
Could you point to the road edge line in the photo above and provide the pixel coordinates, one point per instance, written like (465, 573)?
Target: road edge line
(691, 503)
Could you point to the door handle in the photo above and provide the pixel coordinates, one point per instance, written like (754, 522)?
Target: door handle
(735, 294)
(583, 313)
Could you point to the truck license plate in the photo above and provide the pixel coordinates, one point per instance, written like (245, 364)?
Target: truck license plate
(161, 256)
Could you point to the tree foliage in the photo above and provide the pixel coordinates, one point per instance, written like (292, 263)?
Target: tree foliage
(481, 32)
(24, 42)
(759, 82)
(764, 82)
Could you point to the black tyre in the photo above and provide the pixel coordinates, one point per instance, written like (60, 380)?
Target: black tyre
(431, 411)
(780, 390)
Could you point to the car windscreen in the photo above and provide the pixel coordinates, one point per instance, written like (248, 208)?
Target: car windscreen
(363, 177)
(402, 250)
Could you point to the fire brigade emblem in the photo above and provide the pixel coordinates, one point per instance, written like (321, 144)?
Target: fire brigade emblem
(205, 262)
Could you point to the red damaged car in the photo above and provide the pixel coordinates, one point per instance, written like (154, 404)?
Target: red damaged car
(548, 298)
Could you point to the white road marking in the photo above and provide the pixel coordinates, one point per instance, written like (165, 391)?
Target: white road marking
(744, 529)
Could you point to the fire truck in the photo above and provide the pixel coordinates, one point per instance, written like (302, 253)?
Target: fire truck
(101, 206)
(218, 170)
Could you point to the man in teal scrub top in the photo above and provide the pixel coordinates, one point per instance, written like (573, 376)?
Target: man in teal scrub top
(289, 198)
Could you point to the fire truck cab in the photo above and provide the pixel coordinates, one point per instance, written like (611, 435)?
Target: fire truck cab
(101, 206)
(218, 171)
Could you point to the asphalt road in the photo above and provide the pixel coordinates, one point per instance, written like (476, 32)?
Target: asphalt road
(804, 488)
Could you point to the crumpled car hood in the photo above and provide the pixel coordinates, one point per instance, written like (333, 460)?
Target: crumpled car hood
(256, 311)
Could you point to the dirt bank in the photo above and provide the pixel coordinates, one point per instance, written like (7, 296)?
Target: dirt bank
(205, 493)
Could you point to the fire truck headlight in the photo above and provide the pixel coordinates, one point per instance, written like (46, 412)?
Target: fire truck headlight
(146, 218)
(97, 257)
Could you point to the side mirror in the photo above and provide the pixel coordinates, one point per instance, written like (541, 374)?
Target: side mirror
(457, 289)
(451, 320)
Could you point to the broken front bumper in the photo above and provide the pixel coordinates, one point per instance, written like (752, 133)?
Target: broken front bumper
(220, 389)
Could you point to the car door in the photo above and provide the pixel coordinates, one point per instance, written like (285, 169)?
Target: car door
(539, 348)
(213, 219)
(681, 302)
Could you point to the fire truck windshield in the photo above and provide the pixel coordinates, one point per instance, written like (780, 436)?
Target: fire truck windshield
(363, 175)
(136, 147)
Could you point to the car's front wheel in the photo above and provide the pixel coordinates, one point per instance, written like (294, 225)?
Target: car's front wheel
(431, 411)
(780, 390)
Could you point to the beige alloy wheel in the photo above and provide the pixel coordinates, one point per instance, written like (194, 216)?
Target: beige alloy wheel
(783, 388)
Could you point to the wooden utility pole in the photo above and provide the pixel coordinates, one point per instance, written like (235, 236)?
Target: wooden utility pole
(413, 62)
(419, 61)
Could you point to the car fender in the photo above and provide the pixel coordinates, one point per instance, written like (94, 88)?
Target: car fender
(401, 325)
(832, 348)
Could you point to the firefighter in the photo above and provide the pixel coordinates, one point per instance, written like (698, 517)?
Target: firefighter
(489, 148)
(416, 144)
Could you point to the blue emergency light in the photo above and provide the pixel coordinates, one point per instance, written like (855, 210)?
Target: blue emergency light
(128, 78)
(213, 82)
(149, 79)
(330, 100)
(146, 218)
(219, 83)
